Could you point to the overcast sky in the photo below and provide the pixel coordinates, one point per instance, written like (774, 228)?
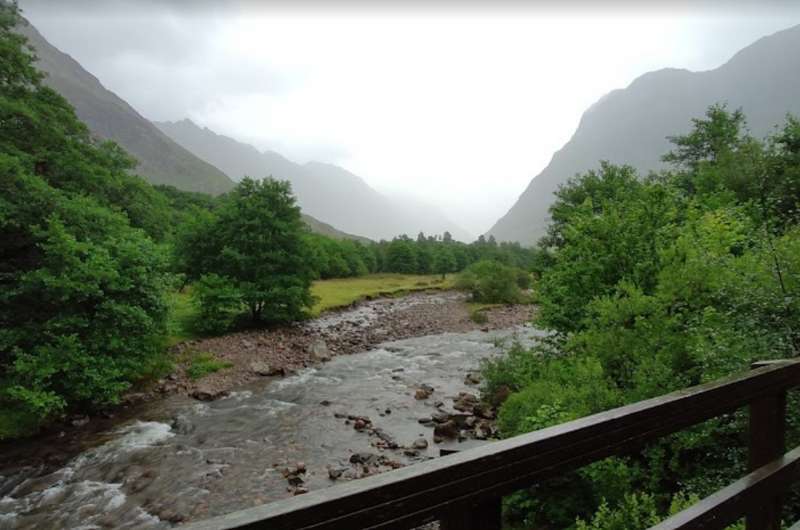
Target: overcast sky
(459, 107)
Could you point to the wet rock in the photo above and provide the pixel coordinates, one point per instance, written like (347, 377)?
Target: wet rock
(319, 352)
(181, 425)
(264, 369)
(80, 421)
(364, 458)
(208, 393)
(171, 516)
(465, 402)
(425, 420)
(472, 379)
(420, 443)
(482, 410)
(135, 398)
(325, 403)
(440, 416)
(423, 392)
(295, 480)
(462, 420)
(448, 429)
(386, 438)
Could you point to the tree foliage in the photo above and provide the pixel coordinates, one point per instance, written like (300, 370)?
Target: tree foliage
(82, 312)
(653, 284)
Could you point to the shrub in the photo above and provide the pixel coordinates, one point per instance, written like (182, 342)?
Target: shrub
(491, 282)
(219, 303)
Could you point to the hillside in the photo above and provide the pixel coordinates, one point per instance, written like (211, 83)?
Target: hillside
(161, 160)
(326, 191)
(631, 125)
(318, 227)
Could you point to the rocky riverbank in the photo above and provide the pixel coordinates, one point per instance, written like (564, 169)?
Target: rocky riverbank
(279, 351)
(175, 458)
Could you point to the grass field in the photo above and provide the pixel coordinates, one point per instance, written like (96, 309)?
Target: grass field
(331, 294)
(342, 292)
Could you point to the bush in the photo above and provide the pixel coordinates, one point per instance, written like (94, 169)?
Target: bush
(491, 282)
(218, 302)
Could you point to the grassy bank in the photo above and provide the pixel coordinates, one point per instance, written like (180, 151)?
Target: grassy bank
(342, 292)
(331, 294)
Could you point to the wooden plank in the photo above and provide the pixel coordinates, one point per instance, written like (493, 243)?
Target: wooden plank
(486, 515)
(419, 493)
(730, 504)
(767, 433)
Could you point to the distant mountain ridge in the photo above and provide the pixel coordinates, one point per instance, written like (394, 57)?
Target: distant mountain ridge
(631, 125)
(326, 191)
(161, 160)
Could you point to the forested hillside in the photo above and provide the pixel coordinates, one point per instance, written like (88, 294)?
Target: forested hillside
(159, 159)
(630, 126)
(653, 284)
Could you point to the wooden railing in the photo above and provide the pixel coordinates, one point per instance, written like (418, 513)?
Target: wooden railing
(464, 490)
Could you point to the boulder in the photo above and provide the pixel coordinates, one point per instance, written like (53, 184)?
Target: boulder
(448, 429)
(472, 379)
(182, 425)
(465, 402)
(423, 392)
(264, 369)
(319, 352)
(208, 393)
(420, 443)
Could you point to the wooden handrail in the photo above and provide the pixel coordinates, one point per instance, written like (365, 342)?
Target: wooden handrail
(746, 494)
(463, 490)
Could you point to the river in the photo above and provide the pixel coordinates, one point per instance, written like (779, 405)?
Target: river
(181, 459)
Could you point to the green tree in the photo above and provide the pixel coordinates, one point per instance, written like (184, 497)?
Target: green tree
(255, 239)
(82, 312)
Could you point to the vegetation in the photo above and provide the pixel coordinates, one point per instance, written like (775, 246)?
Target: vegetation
(650, 285)
(331, 294)
(494, 283)
(82, 311)
(202, 364)
(253, 246)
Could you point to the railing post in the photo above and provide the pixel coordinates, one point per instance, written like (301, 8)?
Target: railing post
(484, 516)
(767, 430)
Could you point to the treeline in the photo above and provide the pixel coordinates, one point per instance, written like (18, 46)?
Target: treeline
(423, 255)
(650, 284)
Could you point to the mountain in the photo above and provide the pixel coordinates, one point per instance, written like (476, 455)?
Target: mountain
(161, 160)
(326, 191)
(631, 125)
(318, 227)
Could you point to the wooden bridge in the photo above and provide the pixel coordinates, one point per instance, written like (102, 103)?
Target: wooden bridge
(463, 491)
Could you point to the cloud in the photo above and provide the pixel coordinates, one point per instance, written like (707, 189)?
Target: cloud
(458, 106)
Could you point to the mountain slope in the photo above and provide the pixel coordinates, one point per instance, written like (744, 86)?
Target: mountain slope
(631, 125)
(326, 191)
(161, 160)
